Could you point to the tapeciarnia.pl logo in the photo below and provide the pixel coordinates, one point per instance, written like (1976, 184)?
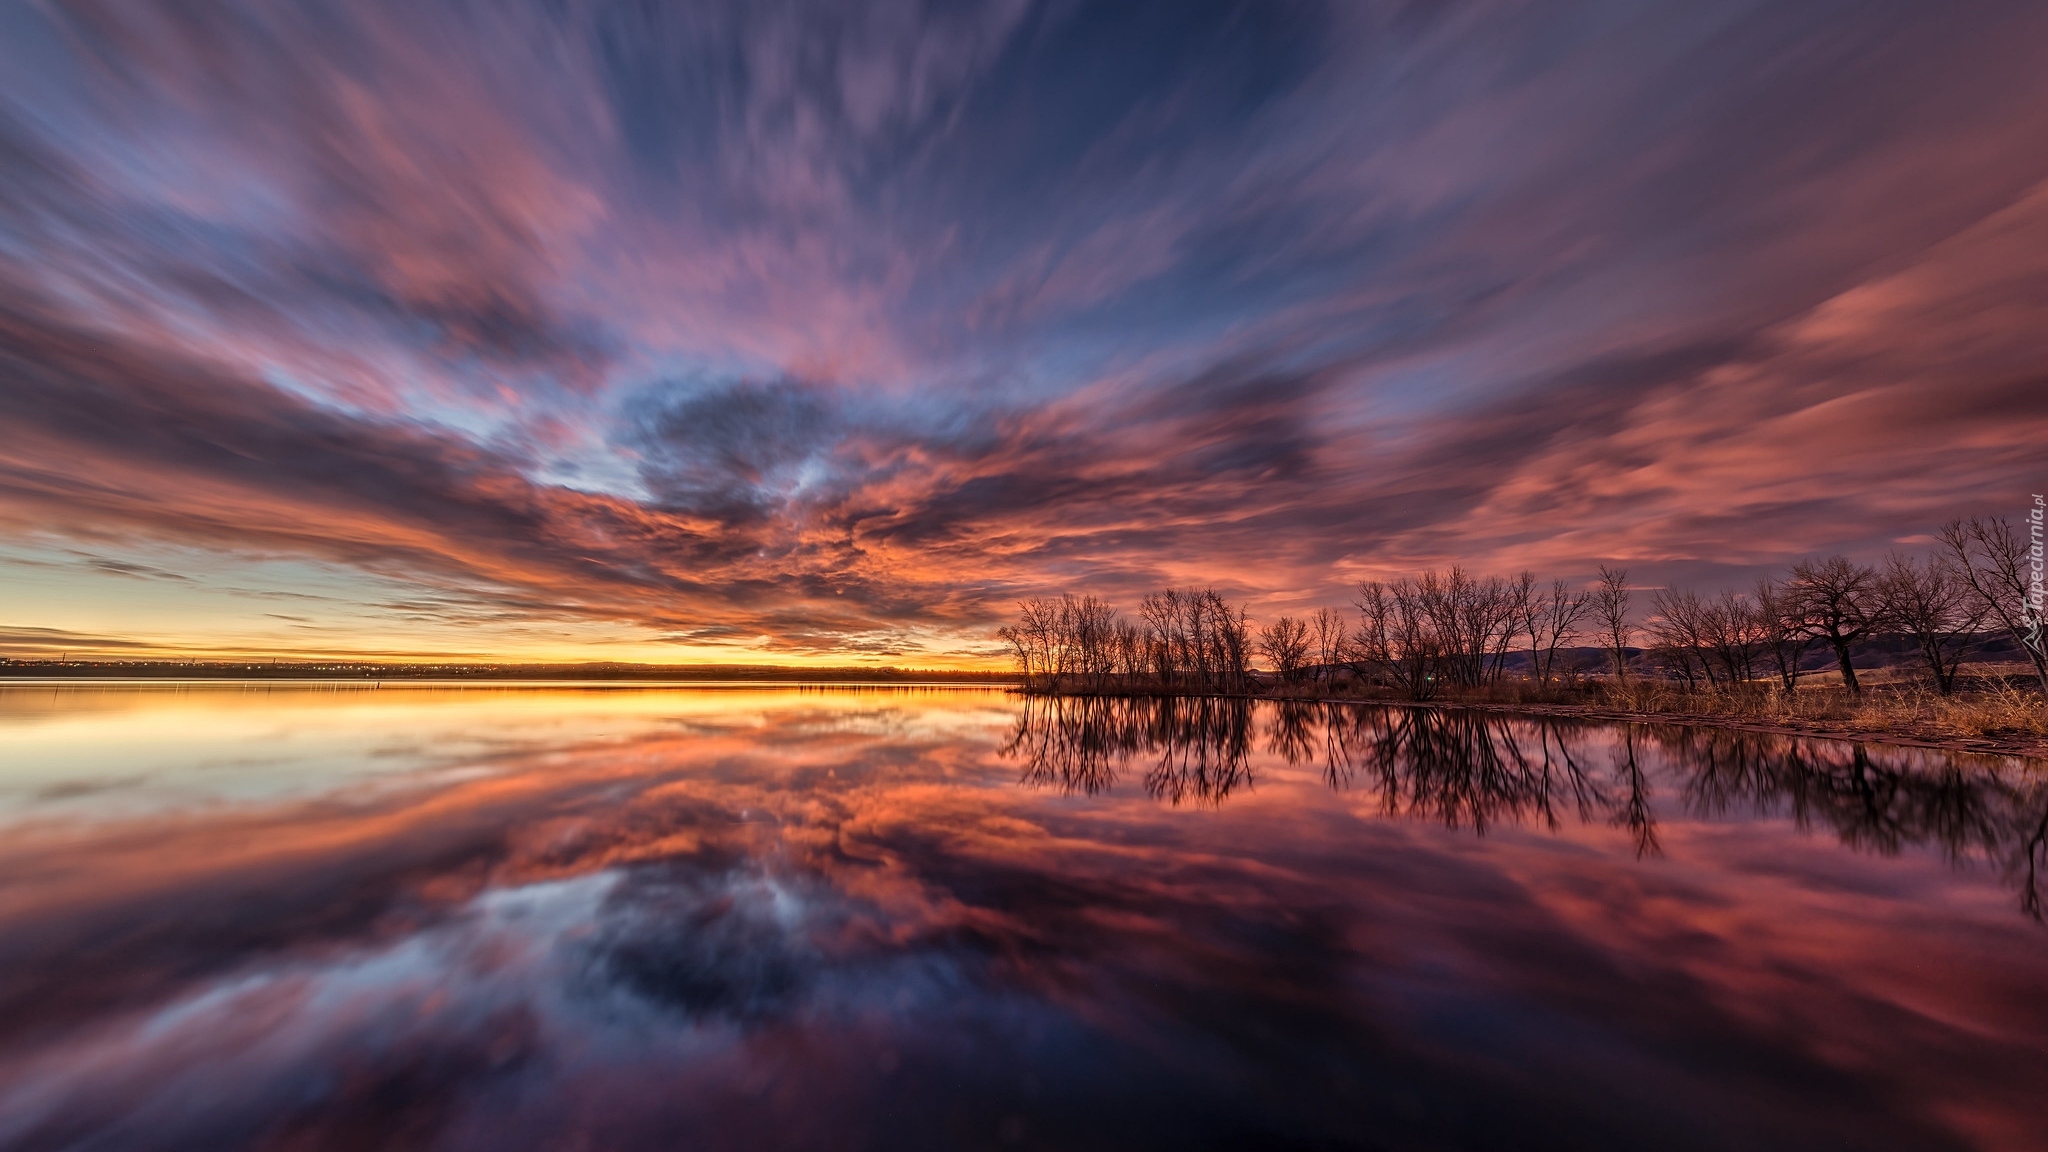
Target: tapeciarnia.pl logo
(2031, 608)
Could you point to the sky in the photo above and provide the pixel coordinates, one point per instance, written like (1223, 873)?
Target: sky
(794, 332)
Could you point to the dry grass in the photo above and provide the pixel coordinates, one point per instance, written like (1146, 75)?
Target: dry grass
(1997, 711)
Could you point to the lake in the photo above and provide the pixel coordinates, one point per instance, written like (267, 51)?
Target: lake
(339, 917)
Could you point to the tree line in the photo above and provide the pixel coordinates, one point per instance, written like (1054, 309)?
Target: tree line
(1453, 629)
(1189, 639)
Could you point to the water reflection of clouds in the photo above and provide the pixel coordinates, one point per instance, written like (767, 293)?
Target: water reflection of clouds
(795, 927)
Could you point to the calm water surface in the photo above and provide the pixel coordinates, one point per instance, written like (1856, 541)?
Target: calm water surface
(264, 917)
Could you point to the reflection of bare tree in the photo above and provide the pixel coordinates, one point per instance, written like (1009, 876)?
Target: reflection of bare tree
(1479, 770)
(1461, 768)
(1633, 810)
(1204, 745)
(1874, 801)
(1571, 778)
(2023, 865)
(1292, 736)
(1080, 744)
(1455, 769)
(1074, 743)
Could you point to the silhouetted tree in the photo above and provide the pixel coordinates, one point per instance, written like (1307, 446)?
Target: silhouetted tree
(1285, 645)
(1475, 621)
(1031, 640)
(1735, 635)
(1996, 562)
(1933, 604)
(1677, 629)
(1839, 603)
(1071, 640)
(1611, 602)
(1328, 631)
(1785, 639)
(1397, 638)
(1198, 641)
(1551, 620)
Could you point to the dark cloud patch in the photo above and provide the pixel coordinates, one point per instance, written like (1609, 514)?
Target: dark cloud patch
(1245, 420)
(736, 451)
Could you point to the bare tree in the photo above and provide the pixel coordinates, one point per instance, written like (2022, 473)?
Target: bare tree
(1447, 601)
(1087, 626)
(1197, 640)
(1934, 605)
(1734, 636)
(1611, 601)
(1551, 621)
(1436, 629)
(1129, 657)
(1785, 639)
(1996, 563)
(1492, 624)
(1327, 627)
(1164, 634)
(1397, 637)
(1718, 640)
(1473, 620)
(1285, 645)
(1839, 603)
(1020, 649)
(1234, 643)
(1678, 630)
(1031, 641)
